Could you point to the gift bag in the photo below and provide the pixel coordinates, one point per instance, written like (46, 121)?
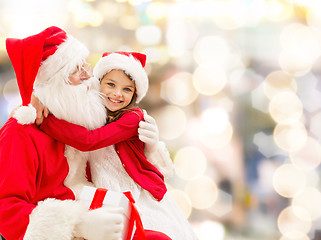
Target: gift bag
(97, 197)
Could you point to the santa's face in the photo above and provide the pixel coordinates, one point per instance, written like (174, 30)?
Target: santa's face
(80, 74)
(118, 90)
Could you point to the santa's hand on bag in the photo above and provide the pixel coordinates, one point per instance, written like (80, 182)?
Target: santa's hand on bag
(101, 224)
(148, 132)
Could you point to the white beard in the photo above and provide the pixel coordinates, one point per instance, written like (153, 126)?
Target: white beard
(82, 105)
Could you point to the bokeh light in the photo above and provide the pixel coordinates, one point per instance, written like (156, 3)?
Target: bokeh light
(128, 22)
(179, 36)
(211, 49)
(20, 18)
(309, 199)
(288, 180)
(209, 79)
(171, 122)
(285, 107)
(216, 130)
(277, 10)
(202, 191)
(84, 14)
(278, 81)
(190, 162)
(179, 89)
(308, 157)
(299, 60)
(149, 35)
(290, 137)
(313, 13)
(214, 120)
(157, 10)
(291, 225)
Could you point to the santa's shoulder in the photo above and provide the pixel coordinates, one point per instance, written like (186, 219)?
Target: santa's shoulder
(12, 130)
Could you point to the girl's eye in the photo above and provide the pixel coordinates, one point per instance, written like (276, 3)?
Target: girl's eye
(111, 84)
(127, 89)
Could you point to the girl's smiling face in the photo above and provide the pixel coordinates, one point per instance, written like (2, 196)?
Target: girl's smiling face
(118, 90)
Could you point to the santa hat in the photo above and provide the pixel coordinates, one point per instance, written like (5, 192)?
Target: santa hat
(42, 56)
(132, 63)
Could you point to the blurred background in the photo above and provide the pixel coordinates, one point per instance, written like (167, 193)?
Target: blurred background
(235, 90)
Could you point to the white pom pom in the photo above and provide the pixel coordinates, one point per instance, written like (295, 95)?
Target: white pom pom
(25, 114)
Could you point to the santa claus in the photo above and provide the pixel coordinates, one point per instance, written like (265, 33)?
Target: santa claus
(41, 177)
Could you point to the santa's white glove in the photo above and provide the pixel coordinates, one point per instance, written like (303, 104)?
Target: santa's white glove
(148, 133)
(101, 224)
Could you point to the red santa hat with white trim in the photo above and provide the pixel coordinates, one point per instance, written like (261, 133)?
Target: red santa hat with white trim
(38, 59)
(41, 56)
(132, 63)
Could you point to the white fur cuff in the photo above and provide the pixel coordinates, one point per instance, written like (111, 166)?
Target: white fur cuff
(160, 158)
(54, 219)
(25, 114)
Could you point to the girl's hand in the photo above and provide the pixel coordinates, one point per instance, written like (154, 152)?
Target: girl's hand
(42, 111)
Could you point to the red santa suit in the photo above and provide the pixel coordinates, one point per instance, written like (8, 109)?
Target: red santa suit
(32, 168)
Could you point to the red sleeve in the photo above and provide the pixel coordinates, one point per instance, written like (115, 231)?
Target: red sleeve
(18, 171)
(87, 140)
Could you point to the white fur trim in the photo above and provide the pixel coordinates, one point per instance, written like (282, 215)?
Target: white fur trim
(76, 178)
(129, 65)
(54, 219)
(25, 114)
(64, 61)
(161, 159)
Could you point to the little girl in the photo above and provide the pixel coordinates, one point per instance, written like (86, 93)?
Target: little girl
(123, 83)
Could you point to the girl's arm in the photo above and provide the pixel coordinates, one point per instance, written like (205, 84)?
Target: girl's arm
(87, 140)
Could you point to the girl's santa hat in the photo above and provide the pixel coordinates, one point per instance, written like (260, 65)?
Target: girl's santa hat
(40, 57)
(132, 63)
